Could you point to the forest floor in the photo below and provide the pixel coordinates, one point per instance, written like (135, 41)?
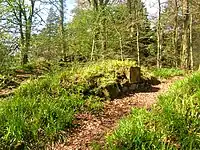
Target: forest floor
(92, 128)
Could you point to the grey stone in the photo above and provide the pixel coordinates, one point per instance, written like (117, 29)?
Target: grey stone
(133, 87)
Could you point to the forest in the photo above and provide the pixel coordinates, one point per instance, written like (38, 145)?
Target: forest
(100, 74)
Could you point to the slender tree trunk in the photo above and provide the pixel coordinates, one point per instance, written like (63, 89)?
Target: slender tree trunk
(62, 30)
(191, 44)
(24, 55)
(159, 37)
(103, 33)
(185, 42)
(175, 39)
(27, 41)
(138, 47)
(121, 48)
(28, 29)
(93, 47)
(24, 52)
(130, 5)
(136, 6)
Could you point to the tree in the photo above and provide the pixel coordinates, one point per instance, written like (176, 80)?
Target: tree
(185, 43)
(62, 29)
(119, 44)
(137, 24)
(46, 43)
(52, 28)
(23, 14)
(60, 7)
(191, 43)
(175, 37)
(52, 23)
(99, 8)
(159, 44)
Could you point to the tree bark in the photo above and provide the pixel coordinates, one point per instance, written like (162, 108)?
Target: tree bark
(25, 35)
(62, 30)
(185, 42)
(138, 47)
(191, 43)
(93, 48)
(159, 37)
(24, 55)
(175, 40)
(103, 32)
(137, 32)
(130, 5)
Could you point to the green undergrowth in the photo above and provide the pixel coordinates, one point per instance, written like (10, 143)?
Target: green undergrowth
(42, 108)
(174, 123)
(167, 72)
(13, 76)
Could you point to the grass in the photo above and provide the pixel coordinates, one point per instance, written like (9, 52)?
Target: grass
(42, 109)
(167, 72)
(36, 113)
(174, 123)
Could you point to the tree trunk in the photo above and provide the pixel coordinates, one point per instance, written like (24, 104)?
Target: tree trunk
(138, 47)
(28, 29)
(62, 30)
(137, 32)
(121, 47)
(191, 44)
(130, 5)
(103, 33)
(93, 47)
(185, 42)
(175, 40)
(28, 39)
(24, 55)
(159, 37)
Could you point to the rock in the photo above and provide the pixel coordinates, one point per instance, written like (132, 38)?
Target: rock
(134, 76)
(125, 89)
(143, 87)
(113, 90)
(154, 81)
(133, 87)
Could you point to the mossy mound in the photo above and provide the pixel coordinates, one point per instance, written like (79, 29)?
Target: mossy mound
(106, 79)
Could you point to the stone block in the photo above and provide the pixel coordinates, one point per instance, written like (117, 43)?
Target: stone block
(135, 75)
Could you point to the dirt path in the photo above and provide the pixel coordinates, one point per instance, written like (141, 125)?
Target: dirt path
(94, 128)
